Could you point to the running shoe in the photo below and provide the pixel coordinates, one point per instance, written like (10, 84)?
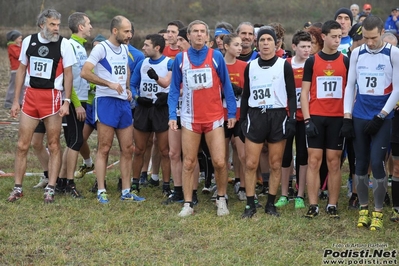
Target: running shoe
(241, 195)
(248, 212)
(48, 195)
(135, 188)
(153, 183)
(174, 198)
(83, 169)
(264, 191)
(132, 197)
(323, 195)
(15, 195)
(143, 181)
(237, 187)
(312, 212)
(103, 198)
(221, 204)
(270, 209)
(353, 202)
(332, 212)
(186, 210)
(394, 215)
(61, 185)
(299, 203)
(364, 219)
(376, 221)
(282, 201)
(167, 191)
(206, 190)
(73, 191)
(42, 182)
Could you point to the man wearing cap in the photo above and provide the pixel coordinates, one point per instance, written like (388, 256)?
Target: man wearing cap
(269, 88)
(46, 68)
(246, 31)
(14, 40)
(203, 73)
(368, 116)
(366, 10)
(392, 22)
(344, 17)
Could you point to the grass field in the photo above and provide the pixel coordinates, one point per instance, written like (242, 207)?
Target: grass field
(83, 232)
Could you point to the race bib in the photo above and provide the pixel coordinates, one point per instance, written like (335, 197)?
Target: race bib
(198, 79)
(148, 88)
(371, 83)
(298, 97)
(40, 67)
(329, 87)
(119, 72)
(263, 95)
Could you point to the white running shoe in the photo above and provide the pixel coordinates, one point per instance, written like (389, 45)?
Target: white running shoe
(186, 211)
(237, 187)
(242, 196)
(42, 182)
(222, 207)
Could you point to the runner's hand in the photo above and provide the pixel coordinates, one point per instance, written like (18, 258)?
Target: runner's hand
(80, 113)
(310, 128)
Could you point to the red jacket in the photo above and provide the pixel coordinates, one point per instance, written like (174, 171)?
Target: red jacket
(13, 54)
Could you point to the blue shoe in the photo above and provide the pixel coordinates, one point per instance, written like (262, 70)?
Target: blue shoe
(132, 197)
(103, 198)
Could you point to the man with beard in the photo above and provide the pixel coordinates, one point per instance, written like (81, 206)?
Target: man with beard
(246, 31)
(151, 79)
(109, 60)
(46, 66)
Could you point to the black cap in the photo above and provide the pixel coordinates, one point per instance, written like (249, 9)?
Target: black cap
(344, 10)
(266, 31)
(183, 33)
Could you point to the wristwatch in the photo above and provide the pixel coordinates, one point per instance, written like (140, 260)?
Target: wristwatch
(381, 115)
(67, 100)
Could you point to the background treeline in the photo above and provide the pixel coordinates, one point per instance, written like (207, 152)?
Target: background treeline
(149, 16)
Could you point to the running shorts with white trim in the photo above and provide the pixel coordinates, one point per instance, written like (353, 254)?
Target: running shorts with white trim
(41, 103)
(260, 126)
(113, 112)
(202, 127)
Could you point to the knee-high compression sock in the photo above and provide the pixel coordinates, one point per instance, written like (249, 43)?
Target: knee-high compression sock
(379, 191)
(362, 187)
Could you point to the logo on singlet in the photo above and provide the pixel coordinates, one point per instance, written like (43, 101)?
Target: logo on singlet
(380, 67)
(43, 51)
